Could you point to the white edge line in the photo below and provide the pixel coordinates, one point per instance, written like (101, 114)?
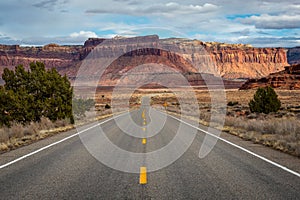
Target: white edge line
(55, 143)
(239, 147)
(226, 141)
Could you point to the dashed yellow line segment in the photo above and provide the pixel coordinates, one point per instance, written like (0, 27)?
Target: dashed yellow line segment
(143, 170)
(143, 175)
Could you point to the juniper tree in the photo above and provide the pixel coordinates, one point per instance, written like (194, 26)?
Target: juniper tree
(29, 95)
(265, 100)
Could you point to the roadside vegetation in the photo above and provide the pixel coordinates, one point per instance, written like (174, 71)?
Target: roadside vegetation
(265, 100)
(279, 128)
(268, 124)
(281, 133)
(81, 106)
(265, 116)
(36, 103)
(27, 96)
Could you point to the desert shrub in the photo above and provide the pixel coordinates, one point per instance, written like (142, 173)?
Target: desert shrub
(4, 135)
(232, 103)
(265, 100)
(266, 126)
(16, 131)
(81, 106)
(45, 124)
(60, 123)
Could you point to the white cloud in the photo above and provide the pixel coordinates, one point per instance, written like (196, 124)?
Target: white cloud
(271, 41)
(43, 21)
(74, 38)
(167, 9)
(266, 21)
(83, 34)
(204, 37)
(121, 28)
(175, 8)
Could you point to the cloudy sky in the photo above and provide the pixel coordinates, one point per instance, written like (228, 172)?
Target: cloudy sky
(257, 22)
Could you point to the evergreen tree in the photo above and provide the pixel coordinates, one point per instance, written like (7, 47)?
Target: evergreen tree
(33, 94)
(7, 100)
(265, 100)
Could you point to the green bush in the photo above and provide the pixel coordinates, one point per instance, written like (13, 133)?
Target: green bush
(29, 95)
(265, 100)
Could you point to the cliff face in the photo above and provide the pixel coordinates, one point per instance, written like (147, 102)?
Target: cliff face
(286, 79)
(294, 55)
(231, 61)
(51, 55)
(247, 62)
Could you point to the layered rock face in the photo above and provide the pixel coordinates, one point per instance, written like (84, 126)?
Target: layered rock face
(243, 61)
(294, 55)
(194, 57)
(51, 55)
(286, 79)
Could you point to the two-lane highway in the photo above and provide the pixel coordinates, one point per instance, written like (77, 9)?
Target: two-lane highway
(68, 171)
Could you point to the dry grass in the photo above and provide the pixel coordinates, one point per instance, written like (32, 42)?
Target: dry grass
(280, 130)
(19, 135)
(4, 136)
(283, 126)
(282, 134)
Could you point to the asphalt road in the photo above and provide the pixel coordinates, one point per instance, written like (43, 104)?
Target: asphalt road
(68, 171)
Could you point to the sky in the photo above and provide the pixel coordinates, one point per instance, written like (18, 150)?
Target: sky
(261, 23)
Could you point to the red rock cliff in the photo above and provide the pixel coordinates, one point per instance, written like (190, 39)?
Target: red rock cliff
(232, 61)
(242, 61)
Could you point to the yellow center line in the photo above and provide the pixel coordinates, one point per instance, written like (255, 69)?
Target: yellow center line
(143, 170)
(144, 141)
(143, 175)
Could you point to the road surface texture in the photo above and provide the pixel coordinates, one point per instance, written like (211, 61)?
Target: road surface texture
(68, 171)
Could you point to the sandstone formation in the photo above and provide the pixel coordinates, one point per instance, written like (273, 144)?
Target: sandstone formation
(51, 55)
(231, 61)
(286, 79)
(236, 61)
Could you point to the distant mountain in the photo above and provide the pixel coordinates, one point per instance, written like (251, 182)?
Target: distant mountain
(293, 55)
(233, 61)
